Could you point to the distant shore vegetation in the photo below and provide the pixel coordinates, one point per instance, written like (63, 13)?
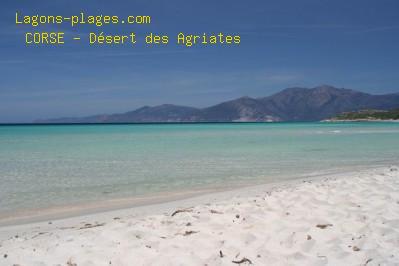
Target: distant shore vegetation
(369, 114)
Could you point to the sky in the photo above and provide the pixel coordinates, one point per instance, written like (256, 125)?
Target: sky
(284, 43)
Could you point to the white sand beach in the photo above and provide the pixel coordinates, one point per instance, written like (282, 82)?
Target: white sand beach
(342, 219)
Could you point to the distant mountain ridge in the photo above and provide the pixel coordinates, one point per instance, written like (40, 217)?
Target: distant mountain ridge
(292, 104)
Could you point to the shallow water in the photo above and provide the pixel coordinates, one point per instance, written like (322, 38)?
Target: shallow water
(46, 166)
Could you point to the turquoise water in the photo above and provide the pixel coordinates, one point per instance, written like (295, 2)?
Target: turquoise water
(45, 166)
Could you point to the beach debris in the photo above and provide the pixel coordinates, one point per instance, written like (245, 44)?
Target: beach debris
(243, 260)
(323, 226)
(187, 233)
(66, 227)
(355, 248)
(309, 237)
(88, 225)
(367, 261)
(181, 210)
(39, 234)
(70, 263)
(221, 254)
(216, 212)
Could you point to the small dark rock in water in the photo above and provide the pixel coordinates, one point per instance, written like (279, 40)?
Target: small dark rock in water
(355, 248)
(221, 254)
(237, 216)
(50, 222)
(188, 224)
(309, 237)
(5, 256)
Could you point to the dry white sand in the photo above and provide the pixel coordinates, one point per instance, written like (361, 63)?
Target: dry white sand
(346, 219)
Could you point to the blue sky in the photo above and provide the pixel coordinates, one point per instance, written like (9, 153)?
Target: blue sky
(352, 44)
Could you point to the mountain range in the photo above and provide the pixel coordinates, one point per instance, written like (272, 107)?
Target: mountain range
(292, 104)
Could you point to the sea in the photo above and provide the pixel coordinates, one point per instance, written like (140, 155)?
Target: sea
(49, 166)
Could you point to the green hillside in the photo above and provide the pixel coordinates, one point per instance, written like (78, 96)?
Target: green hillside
(369, 115)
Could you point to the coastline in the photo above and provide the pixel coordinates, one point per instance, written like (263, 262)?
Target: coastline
(38, 215)
(360, 120)
(268, 223)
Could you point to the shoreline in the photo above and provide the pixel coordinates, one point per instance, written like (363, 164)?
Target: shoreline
(348, 218)
(37, 215)
(359, 120)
